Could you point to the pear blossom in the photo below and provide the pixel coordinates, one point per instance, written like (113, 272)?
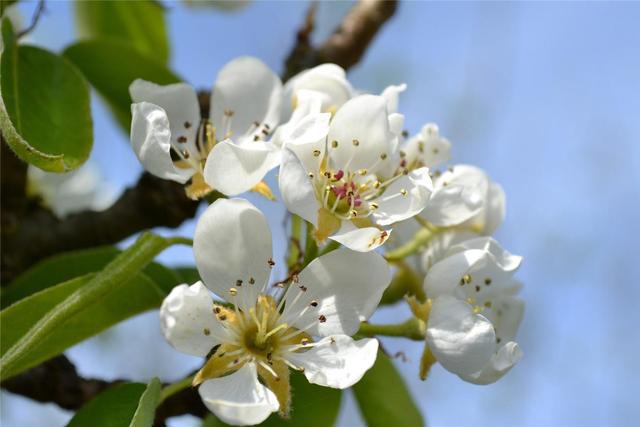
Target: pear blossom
(475, 313)
(172, 142)
(228, 169)
(329, 81)
(349, 186)
(269, 328)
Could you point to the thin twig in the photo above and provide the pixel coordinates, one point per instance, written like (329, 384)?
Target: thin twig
(34, 20)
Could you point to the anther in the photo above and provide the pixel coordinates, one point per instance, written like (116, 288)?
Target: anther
(271, 262)
(376, 185)
(362, 172)
(314, 303)
(185, 154)
(233, 291)
(256, 138)
(228, 113)
(311, 175)
(322, 318)
(353, 212)
(222, 317)
(206, 331)
(182, 139)
(487, 281)
(316, 153)
(187, 125)
(402, 154)
(303, 288)
(487, 304)
(477, 288)
(383, 156)
(217, 310)
(239, 282)
(304, 341)
(252, 281)
(373, 206)
(355, 142)
(334, 144)
(403, 191)
(465, 279)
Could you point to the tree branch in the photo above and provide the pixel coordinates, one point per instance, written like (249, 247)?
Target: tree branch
(349, 41)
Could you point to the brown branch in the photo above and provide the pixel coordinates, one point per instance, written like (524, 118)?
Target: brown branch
(349, 41)
(152, 202)
(57, 381)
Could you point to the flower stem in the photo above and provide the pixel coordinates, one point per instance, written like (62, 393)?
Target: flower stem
(174, 388)
(179, 241)
(294, 241)
(411, 247)
(411, 328)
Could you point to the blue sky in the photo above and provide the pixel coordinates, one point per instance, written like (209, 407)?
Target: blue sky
(546, 98)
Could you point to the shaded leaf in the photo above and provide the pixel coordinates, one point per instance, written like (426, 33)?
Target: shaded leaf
(114, 407)
(187, 275)
(45, 113)
(66, 266)
(46, 323)
(383, 397)
(110, 66)
(141, 24)
(146, 411)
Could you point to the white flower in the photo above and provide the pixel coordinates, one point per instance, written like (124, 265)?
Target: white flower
(230, 168)
(427, 148)
(350, 187)
(474, 314)
(71, 192)
(266, 333)
(172, 142)
(329, 81)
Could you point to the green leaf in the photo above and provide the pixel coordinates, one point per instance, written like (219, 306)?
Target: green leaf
(147, 405)
(66, 266)
(44, 324)
(383, 397)
(45, 113)
(114, 407)
(110, 66)
(187, 274)
(139, 23)
(313, 406)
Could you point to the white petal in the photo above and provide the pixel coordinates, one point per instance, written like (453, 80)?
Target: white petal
(462, 341)
(180, 102)
(232, 243)
(296, 188)
(337, 361)
(506, 315)
(417, 185)
(443, 277)
(439, 245)
(392, 94)
(150, 140)
(500, 364)
(329, 80)
(187, 321)
(363, 118)
(428, 147)
(396, 123)
(251, 91)
(360, 239)
(233, 169)
(347, 287)
(458, 196)
(239, 399)
(494, 208)
(503, 258)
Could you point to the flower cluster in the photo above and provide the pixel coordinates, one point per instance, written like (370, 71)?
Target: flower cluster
(346, 167)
